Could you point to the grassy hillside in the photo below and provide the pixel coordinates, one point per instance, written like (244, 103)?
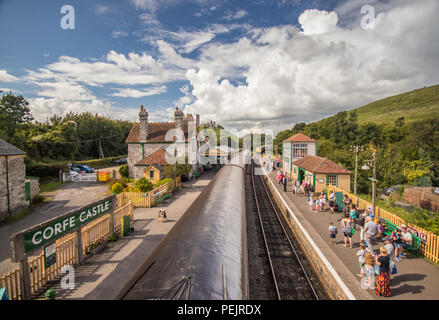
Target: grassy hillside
(415, 105)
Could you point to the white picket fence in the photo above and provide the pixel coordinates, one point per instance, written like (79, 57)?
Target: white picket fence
(80, 177)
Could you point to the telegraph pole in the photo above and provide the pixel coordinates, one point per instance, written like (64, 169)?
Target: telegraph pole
(373, 164)
(356, 149)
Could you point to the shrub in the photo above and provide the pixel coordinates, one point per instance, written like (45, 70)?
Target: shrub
(117, 188)
(163, 181)
(123, 170)
(144, 185)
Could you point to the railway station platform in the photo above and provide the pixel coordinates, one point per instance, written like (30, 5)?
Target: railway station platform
(104, 274)
(417, 278)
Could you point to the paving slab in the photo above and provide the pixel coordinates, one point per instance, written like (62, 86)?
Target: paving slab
(104, 274)
(417, 279)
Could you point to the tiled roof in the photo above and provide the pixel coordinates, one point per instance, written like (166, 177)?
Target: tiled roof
(157, 157)
(156, 132)
(319, 165)
(7, 149)
(299, 137)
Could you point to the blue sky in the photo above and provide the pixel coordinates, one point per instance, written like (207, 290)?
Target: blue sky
(242, 63)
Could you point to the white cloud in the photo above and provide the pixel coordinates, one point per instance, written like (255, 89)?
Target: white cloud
(134, 93)
(269, 77)
(315, 21)
(291, 76)
(119, 33)
(239, 14)
(6, 90)
(6, 77)
(102, 9)
(149, 19)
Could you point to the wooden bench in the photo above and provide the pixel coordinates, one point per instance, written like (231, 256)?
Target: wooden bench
(389, 228)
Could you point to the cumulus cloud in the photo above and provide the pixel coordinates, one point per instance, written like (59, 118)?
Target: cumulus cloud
(6, 77)
(292, 76)
(268, 77)
(315, 21)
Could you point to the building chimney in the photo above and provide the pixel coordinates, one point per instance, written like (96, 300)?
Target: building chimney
(178, 116)
(143, 116)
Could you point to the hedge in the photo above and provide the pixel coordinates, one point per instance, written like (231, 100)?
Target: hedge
(41, 169)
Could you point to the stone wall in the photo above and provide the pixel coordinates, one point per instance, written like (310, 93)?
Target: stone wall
(17, 192)
(135, 155)
(423, 197)
(344, 182)
(34, 187)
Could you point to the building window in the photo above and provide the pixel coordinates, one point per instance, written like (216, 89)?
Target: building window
(151, 174)
(331, 179)
(300, 150)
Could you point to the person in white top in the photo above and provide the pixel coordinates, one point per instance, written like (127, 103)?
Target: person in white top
(406, 237)
(332, 201)
(311, 204)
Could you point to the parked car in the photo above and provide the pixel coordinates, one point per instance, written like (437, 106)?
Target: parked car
(121, 161)
(82, 168)
(387, 191)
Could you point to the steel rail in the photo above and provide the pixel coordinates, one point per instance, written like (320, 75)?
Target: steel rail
(270, 197)
(263, 235)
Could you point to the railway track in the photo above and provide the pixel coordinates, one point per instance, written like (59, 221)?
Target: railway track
(289, 277)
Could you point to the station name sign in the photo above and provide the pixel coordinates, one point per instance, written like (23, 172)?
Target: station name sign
(68, 223)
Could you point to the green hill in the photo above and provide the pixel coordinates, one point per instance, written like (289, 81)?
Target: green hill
(415, 105)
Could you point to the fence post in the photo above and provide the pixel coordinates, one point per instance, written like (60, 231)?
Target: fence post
(79, 252)
(112, 215)
(25, 279)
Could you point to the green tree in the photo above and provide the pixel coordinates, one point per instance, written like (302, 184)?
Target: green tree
(14, 111)
(124, 172)
(143, 184)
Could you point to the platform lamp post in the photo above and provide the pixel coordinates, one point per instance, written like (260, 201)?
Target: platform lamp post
(372, 163)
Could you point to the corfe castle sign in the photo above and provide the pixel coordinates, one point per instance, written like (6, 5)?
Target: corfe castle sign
(58, 228)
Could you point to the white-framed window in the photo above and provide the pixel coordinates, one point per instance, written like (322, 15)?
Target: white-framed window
(331, 179)
(300, 150)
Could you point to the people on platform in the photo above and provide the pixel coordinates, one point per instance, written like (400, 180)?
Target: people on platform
(382, 283)
(353, 214)
(284, 182)
(389, 247)
(311, 204)
(368, 281)
(361, 258)
(332, 201)
(346, 204)
(370, 231)
(407, 239)
(380, 230)
(397, 241)
(361, 223)
(346, 228)
(332, 233)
